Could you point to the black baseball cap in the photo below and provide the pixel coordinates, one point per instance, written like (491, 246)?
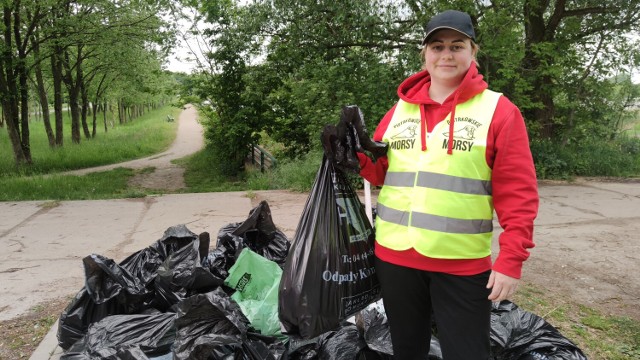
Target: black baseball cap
(450, 19)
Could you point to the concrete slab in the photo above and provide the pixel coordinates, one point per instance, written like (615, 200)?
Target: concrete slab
(199, 212)
(592, 199)
(15, 212)
(45, 250)
(625, 188)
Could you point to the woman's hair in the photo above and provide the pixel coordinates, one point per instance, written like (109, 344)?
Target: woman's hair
(474, 47)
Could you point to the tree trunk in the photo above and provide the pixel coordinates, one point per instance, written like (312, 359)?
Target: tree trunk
(56, 71)
(94, 116)
(23, 78)
(9, 91)
(75, 115)
(119, 110)
(84, 111)
(541, 93)
(74, 88)
(104, 116)
(24, 109)
(42, 96)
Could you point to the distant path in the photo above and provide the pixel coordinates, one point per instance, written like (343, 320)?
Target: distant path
(166, 176)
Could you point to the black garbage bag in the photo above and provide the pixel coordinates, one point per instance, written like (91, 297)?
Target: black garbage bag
(329, 273)
(182, 275)
(125, 288)
(368, 354)
(212, 326)
(208, 320)
(517, 334)
(352, 115)
(342, 142)
(224, 347)
(372, 322)
(257, 232)
(126, 336)
(220, 260)
(105, 280)
(80, 313)
(342, 344)
(302, 349)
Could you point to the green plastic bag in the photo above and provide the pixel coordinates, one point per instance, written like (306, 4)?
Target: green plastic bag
(256, 281)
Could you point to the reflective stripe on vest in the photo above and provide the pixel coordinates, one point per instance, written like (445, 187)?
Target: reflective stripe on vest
(436, 203)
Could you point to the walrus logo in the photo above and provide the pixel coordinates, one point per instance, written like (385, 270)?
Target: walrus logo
(409, 132)
(466, 133)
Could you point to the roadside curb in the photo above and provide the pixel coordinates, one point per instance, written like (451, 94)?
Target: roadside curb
(48, 347)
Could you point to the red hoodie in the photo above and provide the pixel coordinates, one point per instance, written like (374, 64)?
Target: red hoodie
(514, 184)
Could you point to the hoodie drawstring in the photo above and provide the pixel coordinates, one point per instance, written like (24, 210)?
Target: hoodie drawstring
(451, 121)
(423, 128)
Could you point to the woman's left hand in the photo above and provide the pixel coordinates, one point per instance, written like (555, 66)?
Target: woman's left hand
(502, 286)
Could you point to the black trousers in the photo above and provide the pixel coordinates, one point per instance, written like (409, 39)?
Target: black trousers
(459, 304)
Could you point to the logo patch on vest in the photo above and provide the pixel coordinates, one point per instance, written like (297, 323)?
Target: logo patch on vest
(406, 132)
(463, 134)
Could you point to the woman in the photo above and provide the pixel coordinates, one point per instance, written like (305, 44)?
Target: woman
(457, 151)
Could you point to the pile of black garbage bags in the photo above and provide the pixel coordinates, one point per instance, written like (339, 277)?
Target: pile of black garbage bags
(177, 299)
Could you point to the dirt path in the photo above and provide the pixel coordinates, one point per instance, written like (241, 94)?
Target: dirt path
(166, 175)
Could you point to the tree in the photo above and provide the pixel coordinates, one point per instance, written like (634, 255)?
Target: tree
(303, 60)
(19, 22)
(316, 59)
(79, 40)
(569, 45)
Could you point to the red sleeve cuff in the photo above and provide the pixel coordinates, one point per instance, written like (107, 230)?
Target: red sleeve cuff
(509, 264)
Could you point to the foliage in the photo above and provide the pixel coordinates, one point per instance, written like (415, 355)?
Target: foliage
(588, 157)
(232, 119)
(303, 78)
(565, 64)
(91, 53)
(295, 174)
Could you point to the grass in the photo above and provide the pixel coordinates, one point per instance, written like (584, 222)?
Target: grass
(294, 175)
(101, 185)
(599, 336)
(200, 175)
(20, 336)
(146, 135)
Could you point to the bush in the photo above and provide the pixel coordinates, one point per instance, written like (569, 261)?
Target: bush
(290, 174)
(590, 157)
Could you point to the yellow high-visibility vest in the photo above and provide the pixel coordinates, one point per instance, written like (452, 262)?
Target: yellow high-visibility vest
(436, 203)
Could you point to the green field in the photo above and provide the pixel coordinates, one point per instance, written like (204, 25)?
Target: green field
(143, 136)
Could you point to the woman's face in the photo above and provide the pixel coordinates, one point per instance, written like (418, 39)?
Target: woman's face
(448, 56)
